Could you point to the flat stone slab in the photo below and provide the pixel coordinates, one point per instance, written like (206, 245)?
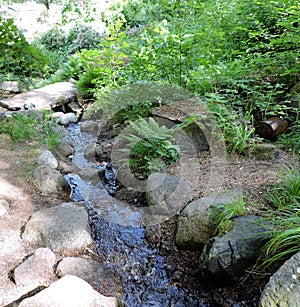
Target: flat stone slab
(44, 98)
(69, 291)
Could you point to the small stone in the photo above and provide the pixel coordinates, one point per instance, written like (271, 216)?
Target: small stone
(47, 158)
(4, 206)
(10, 86)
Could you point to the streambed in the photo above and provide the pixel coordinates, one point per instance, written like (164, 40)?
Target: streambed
(145, 273)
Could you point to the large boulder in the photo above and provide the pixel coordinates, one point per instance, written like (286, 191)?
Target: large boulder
(89, 270)
(226, 257)
(47, 158)
(64, 227)
(283, 288)
(48, 97)
(50, 181)
(69, 291)
(166, 194)
(37, 270)
(193, 227)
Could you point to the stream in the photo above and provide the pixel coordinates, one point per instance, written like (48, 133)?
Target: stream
(120, 238)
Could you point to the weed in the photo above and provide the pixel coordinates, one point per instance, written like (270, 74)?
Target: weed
(284, 236)
(221, 215)
(150, 146)
(23, 128)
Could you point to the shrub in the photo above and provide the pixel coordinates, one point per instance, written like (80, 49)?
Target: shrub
(150, 146)
(17, 56)
(22, 127)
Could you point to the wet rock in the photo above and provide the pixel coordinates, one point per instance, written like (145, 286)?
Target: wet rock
(283, 288)
(64, 148)
(65, 167)
(69, 291)
(89, 126)
(263, 152)
(227, 257)
(193, 228)
(37, 270)
(51, 181)
(89, 174)
(46, 158)
(66, 118)
(166, 194)
(92, 151)
(4, 206)
(64, 227)
(10, 87)
(89, 270)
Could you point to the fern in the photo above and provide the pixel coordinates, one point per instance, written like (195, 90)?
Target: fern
(150, 146)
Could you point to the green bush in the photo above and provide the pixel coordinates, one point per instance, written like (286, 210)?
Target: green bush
(17, 56)
(150, 146)
(67, 43)
(24, 127)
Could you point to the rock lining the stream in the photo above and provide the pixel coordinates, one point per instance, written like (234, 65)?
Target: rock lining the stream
(224, 258)
(283, 288)
(61, 228)
(69, 291)
(45, 98)
(193, 226)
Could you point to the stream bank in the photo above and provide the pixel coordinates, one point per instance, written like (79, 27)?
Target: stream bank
(145, 255)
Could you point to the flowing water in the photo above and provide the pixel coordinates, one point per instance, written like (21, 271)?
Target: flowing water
(121, 240)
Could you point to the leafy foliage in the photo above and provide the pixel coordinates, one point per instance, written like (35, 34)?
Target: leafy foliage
(23, 127)
(17, 56)
(284, 235)
(221, 215)
(150, 146)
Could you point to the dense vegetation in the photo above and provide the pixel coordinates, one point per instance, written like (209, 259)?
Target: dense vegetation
(241, 57)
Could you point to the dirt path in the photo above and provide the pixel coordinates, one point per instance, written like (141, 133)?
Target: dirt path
(16, 164)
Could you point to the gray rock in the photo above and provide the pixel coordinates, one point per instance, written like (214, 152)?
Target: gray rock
(263, 152)
(89, 174)
(89, 126)
(4, 206)
(46, 158)
(228, 256)
(3, 115)
(64, 227)
(64, 148)
(51, 181)
(66, 118)
(45, 98)
(92, 151)
(193, 228)
(89, 270)
(69, 291)
(283, 288)
(166, 194)
(37, 270)
(10, 86)
(65, 167)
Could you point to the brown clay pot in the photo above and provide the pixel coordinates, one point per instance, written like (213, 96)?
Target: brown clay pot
(269, 129)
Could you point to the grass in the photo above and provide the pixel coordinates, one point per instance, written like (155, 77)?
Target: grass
(28, 127)
(284, 237)
(221, 215)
